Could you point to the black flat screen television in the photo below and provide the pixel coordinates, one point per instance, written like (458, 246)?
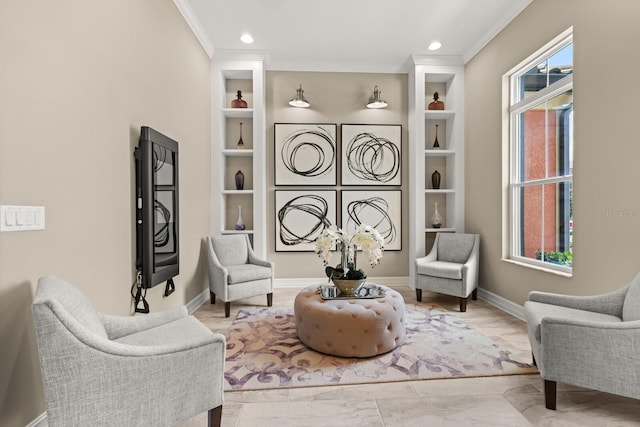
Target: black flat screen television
(157, 238)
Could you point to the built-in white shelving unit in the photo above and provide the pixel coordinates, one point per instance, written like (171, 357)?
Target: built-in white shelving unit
(244, 71)
(427, 75)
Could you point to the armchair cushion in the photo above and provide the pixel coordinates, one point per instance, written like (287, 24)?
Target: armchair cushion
(446, 270)
(455, 247)
(231, 249)
(187, 329)
(247, 273)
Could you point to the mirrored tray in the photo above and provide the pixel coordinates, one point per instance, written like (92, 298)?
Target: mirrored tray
(367, 291)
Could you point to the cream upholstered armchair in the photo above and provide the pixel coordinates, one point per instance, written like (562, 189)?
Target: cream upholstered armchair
(99, 370)
(451, 267)
(235, 272)
(588, 341)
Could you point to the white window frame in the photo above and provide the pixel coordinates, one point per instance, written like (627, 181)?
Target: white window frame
(514, 108)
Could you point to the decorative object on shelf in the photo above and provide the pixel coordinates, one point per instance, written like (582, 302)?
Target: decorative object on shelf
(375, 101)
(436, 219)
(435, 180)
(305, 154)
(346, 276)
(240, 141)
(299, 100)
(240, 222)
(239, 102)
(239, 180)
(436, 144)
(371, 154)
(436, 104)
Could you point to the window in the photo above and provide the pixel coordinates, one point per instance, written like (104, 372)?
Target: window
(541, 158)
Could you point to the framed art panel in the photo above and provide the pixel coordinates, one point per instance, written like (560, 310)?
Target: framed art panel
(371, 154)
(381, 209)
(305, 154)
(301, 216)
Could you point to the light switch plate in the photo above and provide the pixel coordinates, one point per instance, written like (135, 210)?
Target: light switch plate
(21, 218)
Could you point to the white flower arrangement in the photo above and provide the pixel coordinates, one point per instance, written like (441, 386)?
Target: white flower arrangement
(365, 237)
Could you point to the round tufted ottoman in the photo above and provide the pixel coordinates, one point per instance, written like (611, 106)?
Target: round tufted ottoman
(350, 327)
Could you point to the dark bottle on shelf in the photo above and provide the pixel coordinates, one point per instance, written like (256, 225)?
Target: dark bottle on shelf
(239, 102)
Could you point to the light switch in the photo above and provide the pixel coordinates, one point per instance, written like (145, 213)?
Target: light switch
(21, 218)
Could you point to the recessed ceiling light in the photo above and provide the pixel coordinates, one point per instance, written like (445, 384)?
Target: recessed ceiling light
(246, 38)
(435, 45)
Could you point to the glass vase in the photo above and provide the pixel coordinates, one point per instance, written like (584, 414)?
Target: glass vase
(239, 102)
(436, 219)
(240, 222)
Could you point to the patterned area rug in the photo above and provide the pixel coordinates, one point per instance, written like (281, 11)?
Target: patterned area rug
(264, 352)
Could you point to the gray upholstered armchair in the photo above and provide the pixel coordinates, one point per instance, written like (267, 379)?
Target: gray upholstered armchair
(588, 341)
(98, 370)
(451, 267)
(235, 272)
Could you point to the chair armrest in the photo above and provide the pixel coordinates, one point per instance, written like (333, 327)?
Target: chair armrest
(119, 326)
(218, 274)
(257, 261)
(610, 303)
(592, 354)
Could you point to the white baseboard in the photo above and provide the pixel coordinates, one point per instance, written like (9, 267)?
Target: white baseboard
(197, 301)
(41, 421)
(503, 304)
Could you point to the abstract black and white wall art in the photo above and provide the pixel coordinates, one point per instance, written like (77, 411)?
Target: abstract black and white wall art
(381, 209)
(301, 216)
(371, 154)
(305, 154)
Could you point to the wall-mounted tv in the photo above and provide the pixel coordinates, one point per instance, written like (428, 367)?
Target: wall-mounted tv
(157, 242)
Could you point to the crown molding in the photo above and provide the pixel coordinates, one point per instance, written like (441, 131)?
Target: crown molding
(514, 10)
(194, 23)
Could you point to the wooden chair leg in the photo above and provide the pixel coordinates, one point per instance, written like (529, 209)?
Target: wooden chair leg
(533, 357)
(213, 297)
(419, 295)
(269, 299)
(474, 294)
(227, 309)
(550, 394)
(215, 416)
(463, 304)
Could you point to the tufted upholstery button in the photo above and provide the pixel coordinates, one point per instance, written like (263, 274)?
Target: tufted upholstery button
(350, 327)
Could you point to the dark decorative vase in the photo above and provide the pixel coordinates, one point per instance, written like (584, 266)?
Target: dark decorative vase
(435, 180)
(239, 102)
(239, 180)
(436, 144)
(240, 141)
(436, 104)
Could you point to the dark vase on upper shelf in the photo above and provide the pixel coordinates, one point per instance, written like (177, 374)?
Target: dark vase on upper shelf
(240, 141)
(239, 180)
(435, 180)
(436, 144)
(239, 102)
(436, 104)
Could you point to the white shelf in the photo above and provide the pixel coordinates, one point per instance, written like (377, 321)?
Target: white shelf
(237, 113)
(236, 232)
(237, 152)
(438, 114)
(439, 191)
(430, 152)
(248, 192)
(440, 230)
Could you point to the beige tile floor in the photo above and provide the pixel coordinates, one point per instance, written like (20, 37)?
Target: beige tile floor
(495, 401)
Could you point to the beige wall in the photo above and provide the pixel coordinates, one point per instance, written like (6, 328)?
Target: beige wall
(77, 80)
(335, 98)
(606, 176)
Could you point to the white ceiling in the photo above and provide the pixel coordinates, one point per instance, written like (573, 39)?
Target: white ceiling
(349, 35)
